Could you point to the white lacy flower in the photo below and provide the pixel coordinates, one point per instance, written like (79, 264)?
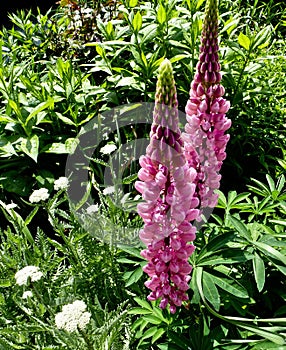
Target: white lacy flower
(109, 148)
(108, 190)
(39, 195)
(92, 209)
(73, 317)
(27, 294)
(29, 271)
(61, 184)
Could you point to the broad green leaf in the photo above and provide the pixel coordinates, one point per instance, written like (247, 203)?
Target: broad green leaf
(143, 303)
(40, 108)
(244, 41)
(232, 288)
(210, 291)
(130, 250)
(149, 333)
(134, 276)
(139, 311)
(232, 256)
(215, 244)
(161, 15)
(259, 271)
(268, 250)
(30, 146)
(152, 319)
(240, 227)
(158, 334)
(222, 203)
(179, 57)
(109, 28)
(15, 108)
(238, 199)
(262, 38)
(137, 22)
(99, 50)
(271, 182)
(66, 120)
(275, 338)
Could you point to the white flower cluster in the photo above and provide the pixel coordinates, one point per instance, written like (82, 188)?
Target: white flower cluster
(108, 190)
(73, 317)
(108, 149)
(61, 183)
(32, 272)
(92, 209)
(27, 294)
(39, 195)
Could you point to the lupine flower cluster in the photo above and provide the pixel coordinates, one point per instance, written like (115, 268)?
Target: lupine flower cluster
(205, 138)
(179, 173)
(167, 187)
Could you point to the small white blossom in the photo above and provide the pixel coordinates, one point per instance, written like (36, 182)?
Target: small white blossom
(92, 209)
(108, 190)
(29, 271)
(8, 206)
(39, 195)
(107, 149)
(61, 184)
(27, 294)
(73, 317)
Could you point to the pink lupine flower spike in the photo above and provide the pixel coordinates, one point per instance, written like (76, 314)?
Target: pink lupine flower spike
(205, 139)
(167, 187)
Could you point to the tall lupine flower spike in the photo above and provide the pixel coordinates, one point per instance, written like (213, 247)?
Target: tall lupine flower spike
(205, 138)
(167, 187)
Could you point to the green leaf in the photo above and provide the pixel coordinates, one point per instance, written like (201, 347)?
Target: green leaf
(133, 277)
(152, 319)
(139, 311)
(126, 261)
(129, 179)
(40, 108)
(137, 22)
(259, 271)
(232, 288)
(133, 3)
(262, 38)
(157, 335)
(179, 58)
(240, 227)
(31, 215)
(66, 120)
(30, 146)
(199, 4)
(143, 303)
(15, 108)
(268, 250)
(210, 291)
(161, 15)
(109, 28)
(99, 50)
(244, 41)
(149, 333)
(275, 338)
(130, 250)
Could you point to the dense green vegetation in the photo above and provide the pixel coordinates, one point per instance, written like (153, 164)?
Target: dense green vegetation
(61, 71)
